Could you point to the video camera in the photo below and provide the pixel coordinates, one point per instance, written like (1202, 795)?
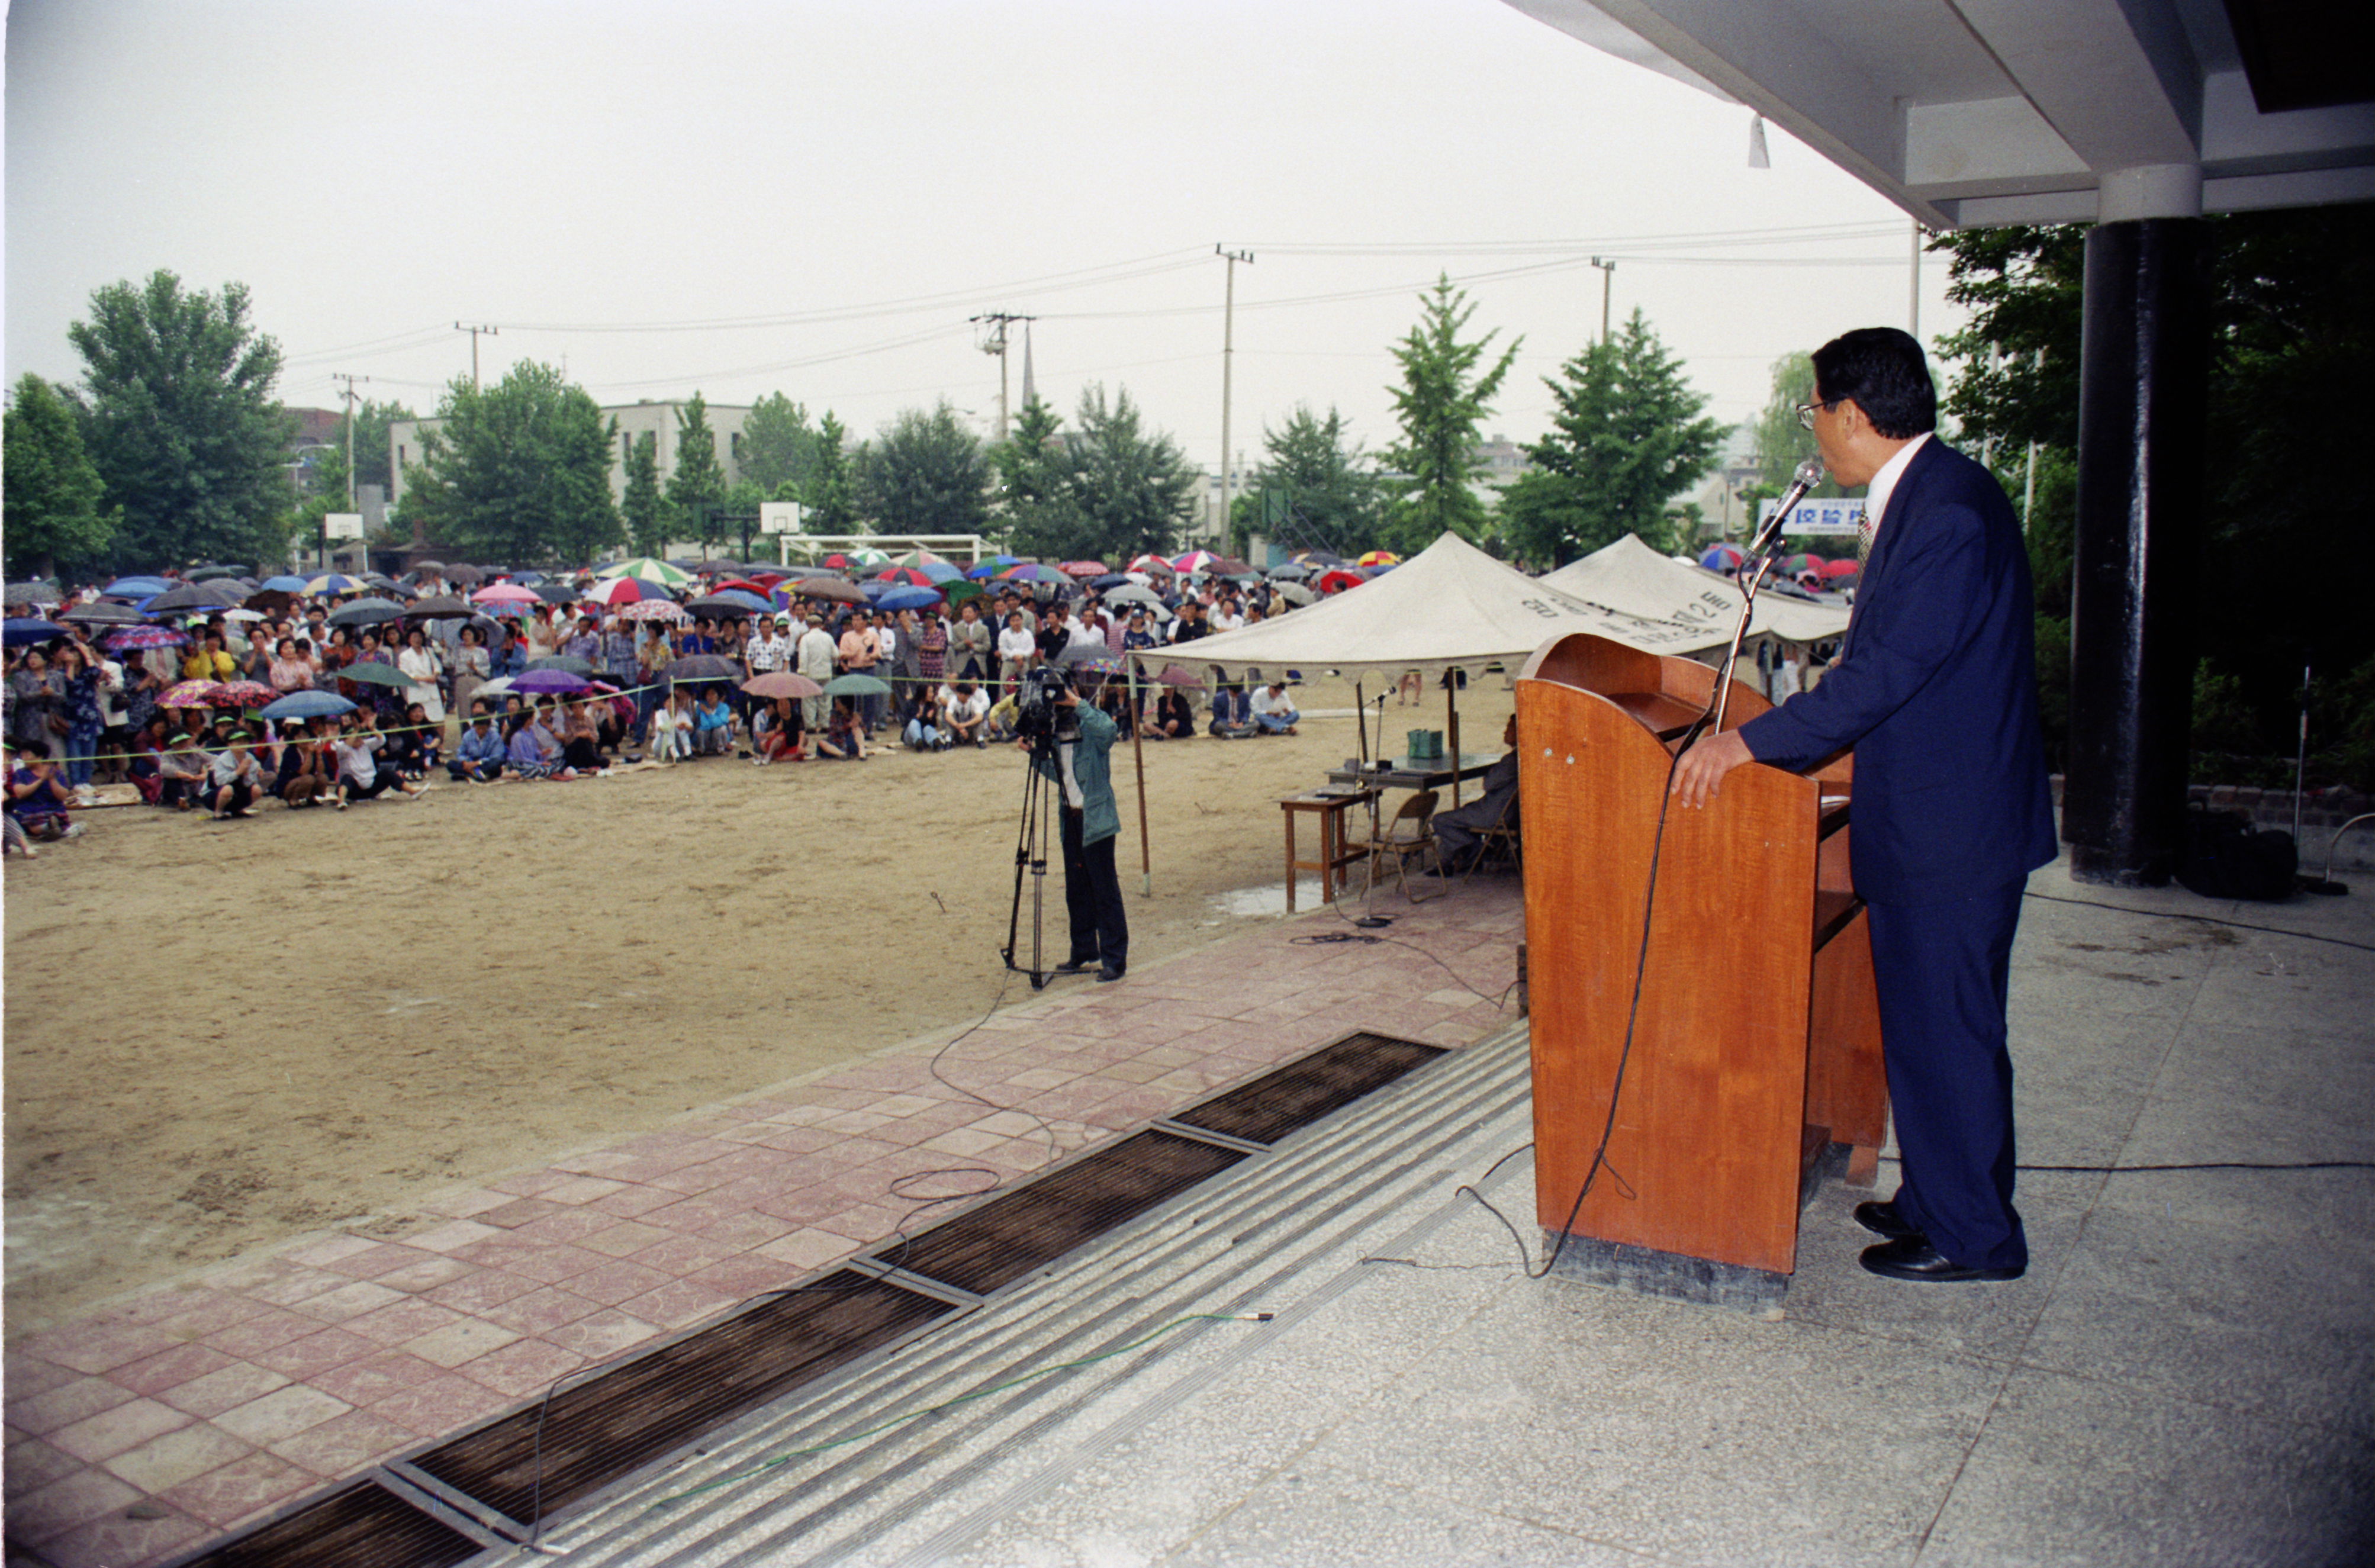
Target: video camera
(1040, 714)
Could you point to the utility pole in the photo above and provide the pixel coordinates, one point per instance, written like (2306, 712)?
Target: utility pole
(1913, 289)
(1228, 355)
(994, 342)
(1607, 279)
(349, 395)
(474, 332)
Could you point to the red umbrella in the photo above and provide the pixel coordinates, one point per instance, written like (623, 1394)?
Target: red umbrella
(618, 591)
(782, 683)
(1085, 569)
(1338, 581)
(906, 575)
(1834, 569)
(747, 585)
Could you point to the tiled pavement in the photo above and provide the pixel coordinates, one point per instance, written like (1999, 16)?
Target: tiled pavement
(145, 1427)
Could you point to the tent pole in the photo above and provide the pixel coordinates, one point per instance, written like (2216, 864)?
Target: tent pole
(1361, 717)
(1451, 706)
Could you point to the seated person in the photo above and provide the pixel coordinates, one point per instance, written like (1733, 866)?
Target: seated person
(777, 734)
(1002, 715)
(1174, 718)
(532, 752)
(479, 757)
(581, 738)
(713, 725)
(362, 775)
(923, 732)
(307, 768)
(182, 772)
(230, 782)
(1274, 712)
(1457, 833)
(845, 737)
(672, 727)
(964, 713)
(38, 796)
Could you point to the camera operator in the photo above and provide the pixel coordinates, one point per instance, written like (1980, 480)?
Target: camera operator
(1079, 761)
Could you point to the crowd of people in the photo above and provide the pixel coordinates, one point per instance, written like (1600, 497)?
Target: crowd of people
(191, 711)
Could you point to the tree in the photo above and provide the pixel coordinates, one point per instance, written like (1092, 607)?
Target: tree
(52, 514)
(924, 474)
(643, 510)
(1441, 405)
(1314, 491)
(519, 472)
(829, 499)
(1134, 490)
(1034, 463)
(779, 445)
(182, 427)
(698, 487)
(374, 460)
(1627, 437)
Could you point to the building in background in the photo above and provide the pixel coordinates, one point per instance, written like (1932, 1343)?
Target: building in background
(635, 421)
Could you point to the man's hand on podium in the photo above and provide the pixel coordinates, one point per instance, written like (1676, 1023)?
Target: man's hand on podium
(1697, 776)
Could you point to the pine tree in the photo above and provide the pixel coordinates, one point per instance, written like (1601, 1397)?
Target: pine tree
(1441, 406)
(643, 509)
(698, 486)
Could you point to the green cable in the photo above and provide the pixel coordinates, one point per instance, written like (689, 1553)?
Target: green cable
(784, 1458)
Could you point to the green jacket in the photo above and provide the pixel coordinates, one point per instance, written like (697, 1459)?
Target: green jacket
(1093, 767)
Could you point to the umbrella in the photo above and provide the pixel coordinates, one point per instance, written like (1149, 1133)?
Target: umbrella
(334, 583)
(922, 557)
(654, 570)
(123, 639)
(1091, 658)
(190, 694)
(782, 683)
(496, 687)
(848, 592)
(245, 694)
(307, 705)
(549, 682)
(138, 587)
(505, 594)
(1336, 579)
(209, 573)
(1379, 558)
(32, 594)
(1834, 569)
(191, 597)
(1289, 571)
(733, 601)
(1723, 558)
(272, 601)
(857, 686)
(16, 633)
(1296, 593)
(1793, 565)
(706, 666)
(103, 614)
(908, 598)
(366, 612)
(617, 591)
(556, 593)
(1196, 561)
(1085, 569)
(1031, 571)
(574, 665)
(1150, 563)
(373, 673)
(991, 567)
(908, 576)
(463, 576)
(959, 591)
(1111, 580)
(1145, 597)
(744, 585)
(654, 609)
(1179, 675)
(421, 566)
(445, 606)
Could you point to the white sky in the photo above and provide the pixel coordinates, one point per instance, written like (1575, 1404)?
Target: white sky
(835, 176)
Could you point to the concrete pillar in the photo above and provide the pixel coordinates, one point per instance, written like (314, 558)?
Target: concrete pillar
(2143, 393)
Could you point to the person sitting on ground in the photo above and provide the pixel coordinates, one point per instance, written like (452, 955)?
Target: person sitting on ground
(147, 748)
(1458, 834)
(526, 754)
(1005, 714)
(776, 734)
(38, 796)
(231, 781)
(672, 727)
(1273, 710)
(713, 725)
(182, 772)
(308, 765)
(412, 746)
(1174, 718)
(362, 775)
(964, 715)
(924, 732)
(479, 757)
(581, 738)
(844, 736)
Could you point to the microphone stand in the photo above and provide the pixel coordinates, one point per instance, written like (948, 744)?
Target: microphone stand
(1748, 585)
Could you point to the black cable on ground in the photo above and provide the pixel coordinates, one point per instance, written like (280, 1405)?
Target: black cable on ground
(2206, 919)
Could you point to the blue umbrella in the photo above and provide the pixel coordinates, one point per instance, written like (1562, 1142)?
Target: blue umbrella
(940, 572)
(746, 599)
(1110, 580)
(16, 633)
(992, 567)
(136, 587)
(284, 583)
(873, 590)
(907, 599)
(307, 705)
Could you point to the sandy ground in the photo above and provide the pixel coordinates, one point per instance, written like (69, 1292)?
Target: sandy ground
(220, 1035)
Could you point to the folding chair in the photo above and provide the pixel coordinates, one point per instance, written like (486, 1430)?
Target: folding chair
(1502, 836)
(1408, 835)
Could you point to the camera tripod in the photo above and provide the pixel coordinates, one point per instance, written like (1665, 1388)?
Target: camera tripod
(1038, 823)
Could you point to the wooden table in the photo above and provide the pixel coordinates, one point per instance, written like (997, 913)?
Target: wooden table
(1415, 772)
(1333, 855)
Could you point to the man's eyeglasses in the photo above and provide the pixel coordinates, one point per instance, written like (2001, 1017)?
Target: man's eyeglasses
(1806, 410)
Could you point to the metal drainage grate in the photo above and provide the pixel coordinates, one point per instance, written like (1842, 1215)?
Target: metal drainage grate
(1010, 1235)
(612, 1425)
(363, 1526)
(1309, 1087)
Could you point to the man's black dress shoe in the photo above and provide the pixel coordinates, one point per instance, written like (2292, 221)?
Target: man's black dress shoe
(1880, 1217)
(1107, 976)
(1074, 965)
(1913, 1258)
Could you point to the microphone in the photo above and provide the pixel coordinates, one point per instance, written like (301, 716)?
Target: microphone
(1809, 475)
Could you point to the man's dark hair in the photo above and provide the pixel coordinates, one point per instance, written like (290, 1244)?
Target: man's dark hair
(1883, 371)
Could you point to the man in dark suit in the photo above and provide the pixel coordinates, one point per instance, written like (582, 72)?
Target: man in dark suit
(1936, 691)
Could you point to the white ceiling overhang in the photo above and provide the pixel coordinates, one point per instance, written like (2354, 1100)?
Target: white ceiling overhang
(1970, 113)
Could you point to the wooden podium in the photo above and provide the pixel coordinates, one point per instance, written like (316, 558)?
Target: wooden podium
(1756, 1050)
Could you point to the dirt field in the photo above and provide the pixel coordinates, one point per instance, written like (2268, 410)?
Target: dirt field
(222, 1034)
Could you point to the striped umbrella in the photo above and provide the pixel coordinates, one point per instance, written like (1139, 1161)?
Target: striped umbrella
(653, 570)
(1196, 561)
(334, 583)
(615, 590)
(1379, 558)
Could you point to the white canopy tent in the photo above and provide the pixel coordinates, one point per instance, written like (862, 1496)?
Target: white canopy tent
(1670, 607)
